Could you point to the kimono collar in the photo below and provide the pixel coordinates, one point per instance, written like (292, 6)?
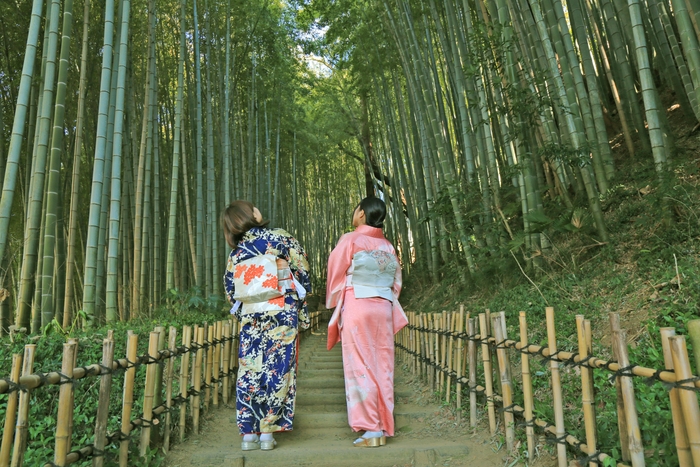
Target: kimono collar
(370, 231)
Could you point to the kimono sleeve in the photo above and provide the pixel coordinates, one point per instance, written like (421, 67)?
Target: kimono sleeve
(339, 262)
(299, 265)
(229, 286)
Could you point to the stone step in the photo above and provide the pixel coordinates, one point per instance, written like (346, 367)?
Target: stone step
(322, 364)
(313, 372)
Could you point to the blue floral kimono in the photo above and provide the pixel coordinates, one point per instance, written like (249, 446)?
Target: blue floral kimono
(266, 385)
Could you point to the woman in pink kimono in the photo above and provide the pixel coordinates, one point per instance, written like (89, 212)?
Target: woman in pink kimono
(364, 282)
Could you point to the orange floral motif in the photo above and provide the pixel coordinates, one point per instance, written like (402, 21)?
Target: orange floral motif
(252, 273)
(271, 283)
(240, 269)
(279, 301)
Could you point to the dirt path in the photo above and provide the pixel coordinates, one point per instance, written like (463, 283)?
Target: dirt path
(428, 435)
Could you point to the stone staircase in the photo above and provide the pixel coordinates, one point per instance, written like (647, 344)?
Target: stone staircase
(321, 435)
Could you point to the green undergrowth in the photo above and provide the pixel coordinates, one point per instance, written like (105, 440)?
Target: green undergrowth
(186, 308)
(655, 236)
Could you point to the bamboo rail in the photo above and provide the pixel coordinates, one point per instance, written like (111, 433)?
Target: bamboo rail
(215, 364)
(489, 349)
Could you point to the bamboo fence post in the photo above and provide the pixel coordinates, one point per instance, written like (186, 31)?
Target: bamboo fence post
(103, 400)
(197, 378)
(72, 340)
(506, 384)
(556, 387)
(169, 376)
(431, 352)
(128, 399)
(184, 379)
(688, 398)
(527, 388)
(452, 322)
(460, 374)
(587, 396)
(444, 328)
(685, 458)
(195, 333)
(435, 350)
(425, 348)
(10, 412)
(148, 394)
(693, 327)
(488, 372)
(217, 362)
(235, 330)
(23, 409)
(65, 407)
(627, 385)
(227, 361)
(414, 342)
(471, 330)
(621, 419)
(209, 357)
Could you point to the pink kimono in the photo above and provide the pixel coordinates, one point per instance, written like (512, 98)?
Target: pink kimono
(364, 282)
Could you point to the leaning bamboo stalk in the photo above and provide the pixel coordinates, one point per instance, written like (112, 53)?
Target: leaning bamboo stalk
(471, 330)
(23, 409)
(169, 376)
(128, 398)
(10, 413)
(556, 387)
(208, 365)
(158, 391)
(103, 400)
(688, 398)
(506, 384)
(184, 379)
(227, 361)
(488, 372)
(587, 395)
(460, 375)
(627, 386)
(149, 395)
(197, 379)
(685, 458)
(621, 419)
(65, 407)
(527, 389)
(216, 366)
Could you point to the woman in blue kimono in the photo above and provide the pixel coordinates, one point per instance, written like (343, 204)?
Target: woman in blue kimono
(266, 280)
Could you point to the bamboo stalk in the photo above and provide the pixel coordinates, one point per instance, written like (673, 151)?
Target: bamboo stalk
(471, 330)
(103, 399)
(506, 384)
(65, 407)
(227, 361)
(430, 352)
(10, 413)
(72, 340)
(184, 378)
(197, 379)
(148, 395)
(128, 398)
(693, 327)
(208, 365)
(685, 458)
(488, 373)
(169, 376)
(23, 409)
(626, 384)
(688, 398)
(621, 419)
(527, 389)
(216, 366)
(444, 327)
(460, 374)
(587, 396)
(556, 387)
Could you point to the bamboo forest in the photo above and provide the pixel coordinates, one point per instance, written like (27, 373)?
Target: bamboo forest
(531, 154)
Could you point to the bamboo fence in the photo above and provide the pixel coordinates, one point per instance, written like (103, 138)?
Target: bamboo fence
(203, 384)
(445, 346)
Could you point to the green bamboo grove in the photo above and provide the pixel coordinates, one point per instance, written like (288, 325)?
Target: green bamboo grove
(126, 126)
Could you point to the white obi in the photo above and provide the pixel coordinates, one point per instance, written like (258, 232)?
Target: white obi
(373, 274)
(260, 283)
